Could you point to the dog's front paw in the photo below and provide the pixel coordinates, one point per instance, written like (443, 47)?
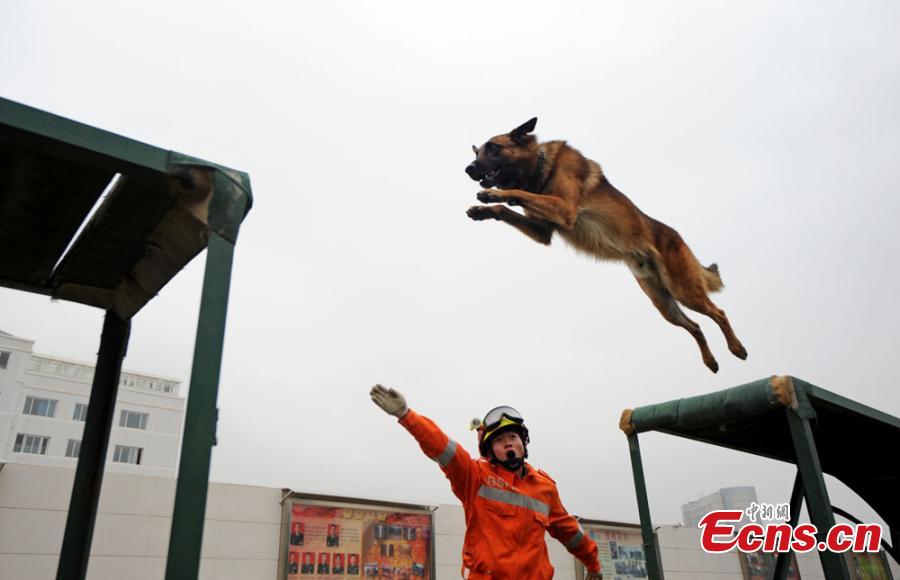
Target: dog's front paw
(481, 212)
(489, 196)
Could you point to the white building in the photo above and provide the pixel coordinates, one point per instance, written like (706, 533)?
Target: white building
(727, 498)
(43, 405)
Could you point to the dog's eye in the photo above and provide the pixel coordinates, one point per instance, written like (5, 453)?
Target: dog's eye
(492, 148)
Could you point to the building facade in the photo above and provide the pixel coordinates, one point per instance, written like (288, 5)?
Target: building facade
(727, 498)
(245, 533)
(44, 403)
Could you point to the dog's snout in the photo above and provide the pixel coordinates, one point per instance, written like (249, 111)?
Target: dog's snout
(474, 170)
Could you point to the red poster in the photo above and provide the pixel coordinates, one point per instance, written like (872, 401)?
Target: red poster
(357, 543)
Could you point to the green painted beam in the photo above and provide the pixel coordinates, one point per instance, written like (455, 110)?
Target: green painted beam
(781, 564)
(654, 569)
(817, 502)
(82, 142)
(76, 547)
(200, 420)
(226, 211)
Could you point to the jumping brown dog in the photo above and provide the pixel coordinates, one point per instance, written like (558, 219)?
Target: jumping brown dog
(562, 191)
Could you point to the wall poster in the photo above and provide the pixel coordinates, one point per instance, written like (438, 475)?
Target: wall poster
(340, 540)
(621, 551)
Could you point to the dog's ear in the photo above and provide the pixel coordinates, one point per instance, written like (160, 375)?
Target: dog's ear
(518, 134)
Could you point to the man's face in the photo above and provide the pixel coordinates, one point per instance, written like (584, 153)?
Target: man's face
(504, 442)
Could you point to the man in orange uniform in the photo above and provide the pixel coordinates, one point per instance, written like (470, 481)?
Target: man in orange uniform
(508, 503)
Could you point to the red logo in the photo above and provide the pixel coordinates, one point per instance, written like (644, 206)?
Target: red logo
(720, 532)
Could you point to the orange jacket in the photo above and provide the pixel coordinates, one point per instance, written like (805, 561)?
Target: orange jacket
(506, 515)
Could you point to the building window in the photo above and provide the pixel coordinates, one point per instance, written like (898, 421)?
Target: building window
(38, 406)
(36, 444)
(80, 413)
(126, 454)
(4, 358)
(73, 449)
(133, 420)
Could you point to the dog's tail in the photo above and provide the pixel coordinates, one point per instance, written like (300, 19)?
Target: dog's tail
(712, 278)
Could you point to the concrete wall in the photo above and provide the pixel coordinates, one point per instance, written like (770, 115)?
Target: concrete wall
(684, 559)
(243, 532)
(240, 540)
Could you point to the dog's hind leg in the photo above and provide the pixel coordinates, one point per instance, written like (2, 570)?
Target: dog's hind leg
(646, 275)
(702, 304)
(538, 230)
(684, 279)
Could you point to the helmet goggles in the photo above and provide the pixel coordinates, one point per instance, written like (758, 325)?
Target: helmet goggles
(500, 417)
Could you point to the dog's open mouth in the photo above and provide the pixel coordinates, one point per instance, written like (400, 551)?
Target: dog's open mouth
(490, 178)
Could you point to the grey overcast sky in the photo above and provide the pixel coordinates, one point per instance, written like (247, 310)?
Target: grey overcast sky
(766, 133)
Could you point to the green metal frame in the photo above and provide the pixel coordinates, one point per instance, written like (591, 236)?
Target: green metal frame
(760, 418)
(182, 205)
(76, 547)
(813, 483)
(781, 563)
(200, 424)
(648, 535)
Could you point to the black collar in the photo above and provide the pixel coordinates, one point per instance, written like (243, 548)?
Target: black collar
(537, 179)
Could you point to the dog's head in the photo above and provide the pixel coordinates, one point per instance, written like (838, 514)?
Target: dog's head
(505, 161)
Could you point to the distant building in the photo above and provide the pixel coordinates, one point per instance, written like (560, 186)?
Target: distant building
(43, 406)
(727, 498)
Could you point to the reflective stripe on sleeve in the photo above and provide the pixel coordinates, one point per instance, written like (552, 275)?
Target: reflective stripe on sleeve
(576, 539)
(447, 454)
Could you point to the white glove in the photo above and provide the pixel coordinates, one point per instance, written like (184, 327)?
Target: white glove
(390, 401)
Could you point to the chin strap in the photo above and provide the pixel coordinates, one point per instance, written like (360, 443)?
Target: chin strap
(512, 463)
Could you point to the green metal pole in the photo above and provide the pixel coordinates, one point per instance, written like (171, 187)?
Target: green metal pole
(200, 421)
(819, 506)
(76, 547)
(654, 570)
(781, 564)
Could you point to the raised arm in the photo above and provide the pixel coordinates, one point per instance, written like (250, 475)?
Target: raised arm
(452, 458)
